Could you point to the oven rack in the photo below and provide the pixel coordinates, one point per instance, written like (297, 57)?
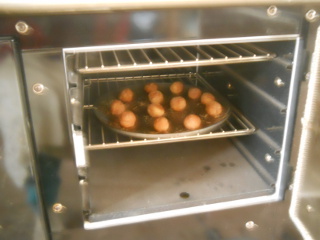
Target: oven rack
(169, 57)
(100, 136)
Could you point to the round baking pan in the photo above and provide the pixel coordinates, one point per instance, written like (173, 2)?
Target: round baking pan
(144, 127)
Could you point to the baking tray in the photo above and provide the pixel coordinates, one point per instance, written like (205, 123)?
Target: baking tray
(144, 127)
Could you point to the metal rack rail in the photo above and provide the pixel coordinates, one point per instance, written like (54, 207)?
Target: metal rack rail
(169, 57)
(99, 136)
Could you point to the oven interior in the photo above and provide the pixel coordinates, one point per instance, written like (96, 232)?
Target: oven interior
(126, 179)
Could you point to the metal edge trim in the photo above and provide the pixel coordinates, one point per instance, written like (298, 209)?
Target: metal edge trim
(96, 6)
(251, 39)
(181, 212)
(304, 139)
(289, 123)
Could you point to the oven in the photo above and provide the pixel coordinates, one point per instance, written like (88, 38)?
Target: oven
(72, 167)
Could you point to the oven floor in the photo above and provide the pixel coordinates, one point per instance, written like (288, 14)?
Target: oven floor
(139, 180)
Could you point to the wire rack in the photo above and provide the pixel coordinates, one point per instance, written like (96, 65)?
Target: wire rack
(169, 57)
(100, 136)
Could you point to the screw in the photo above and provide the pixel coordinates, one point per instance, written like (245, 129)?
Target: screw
(74, 101)
(250, 225)
(277, 152)
(307, 77)
(272, 11)
(311, 15)
(283, 111)
(268, 158)
(310, 208)
(38, 88)
(23, 28)
(278, 82)
(58, 208)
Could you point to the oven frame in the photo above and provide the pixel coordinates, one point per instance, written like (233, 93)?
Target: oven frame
(75, 101)
(64, 218)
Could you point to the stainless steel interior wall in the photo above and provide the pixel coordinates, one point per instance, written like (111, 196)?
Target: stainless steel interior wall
(49, 31)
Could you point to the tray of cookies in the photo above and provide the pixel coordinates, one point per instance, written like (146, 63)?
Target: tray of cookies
(162, 110)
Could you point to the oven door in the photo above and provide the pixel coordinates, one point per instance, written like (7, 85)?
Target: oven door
(305, 205)
(19, 169)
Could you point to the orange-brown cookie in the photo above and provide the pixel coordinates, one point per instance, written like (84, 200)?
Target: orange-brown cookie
(207, 97)
(155, 110)
(156, 97)
(192, 122)
(126, 95)
(214, 109)
(128, 119)
(178, 104)
(176, 87)
(161, 124)
(194, 93)
(151, 87)
(117, 107)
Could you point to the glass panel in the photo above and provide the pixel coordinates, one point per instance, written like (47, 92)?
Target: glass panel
(21, 216)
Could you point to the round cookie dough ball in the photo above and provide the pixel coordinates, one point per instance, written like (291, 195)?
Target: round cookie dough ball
(161, 124)
(156, 97)
(214, 109)
(126, 95)
(194, 93)
(192, 122)
(155, 110)
(128, 119)
(178, 104)
(207, 97)
(176, 87)
(150, 87)
(117, 107)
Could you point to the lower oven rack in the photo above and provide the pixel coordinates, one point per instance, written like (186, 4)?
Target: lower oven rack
(99, 136)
